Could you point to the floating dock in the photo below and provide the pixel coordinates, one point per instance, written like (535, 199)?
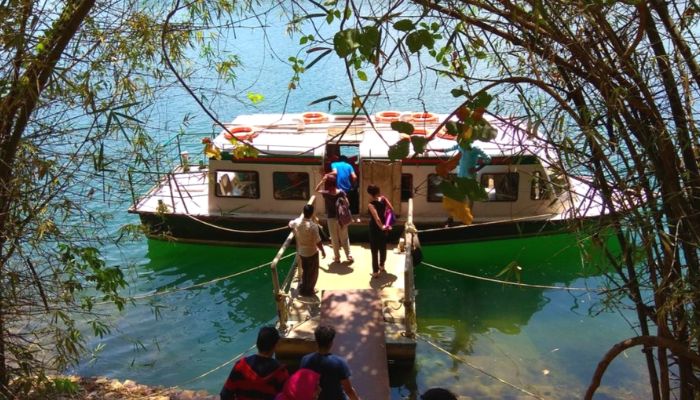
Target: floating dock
(368, 315)
(374, 318)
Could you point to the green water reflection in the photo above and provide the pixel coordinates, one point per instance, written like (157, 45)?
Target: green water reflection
(545, 341)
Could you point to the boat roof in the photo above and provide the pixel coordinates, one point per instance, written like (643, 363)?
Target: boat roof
(288, 134)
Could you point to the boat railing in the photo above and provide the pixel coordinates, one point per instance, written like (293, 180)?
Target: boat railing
(412, 247)
(278, 290)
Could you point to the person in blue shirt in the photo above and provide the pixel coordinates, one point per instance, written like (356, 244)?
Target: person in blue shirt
(334, 370)
(345, 180)
(468, 160)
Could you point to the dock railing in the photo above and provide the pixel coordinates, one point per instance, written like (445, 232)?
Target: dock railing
(279, 290)
(409, 301)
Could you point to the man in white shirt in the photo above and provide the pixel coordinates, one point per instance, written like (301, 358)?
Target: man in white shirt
(309, 244)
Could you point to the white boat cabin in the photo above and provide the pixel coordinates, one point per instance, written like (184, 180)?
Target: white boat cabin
(296, 150)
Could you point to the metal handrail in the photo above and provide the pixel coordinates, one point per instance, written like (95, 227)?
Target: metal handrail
(409, 301)
(278, 293)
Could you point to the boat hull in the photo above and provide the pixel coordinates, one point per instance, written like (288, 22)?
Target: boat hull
(272, 232)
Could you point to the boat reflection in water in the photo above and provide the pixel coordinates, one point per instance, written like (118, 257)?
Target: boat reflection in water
(511, 340)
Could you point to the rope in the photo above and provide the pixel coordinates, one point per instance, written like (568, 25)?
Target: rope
(235, 230)
(231, 361)
(482, 278)
(180, 289)
(470, 365)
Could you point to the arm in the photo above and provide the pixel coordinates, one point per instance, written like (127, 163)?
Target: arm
(353, 177)
(320, 183)
(388, 203)
(349, 390)
(319, 245)
(373, 212)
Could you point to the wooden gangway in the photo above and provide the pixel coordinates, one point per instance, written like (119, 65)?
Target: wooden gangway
(374, 318)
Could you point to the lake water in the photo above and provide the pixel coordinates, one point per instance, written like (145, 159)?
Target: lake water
(507, 341)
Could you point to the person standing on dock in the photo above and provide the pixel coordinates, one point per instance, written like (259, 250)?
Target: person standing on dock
(334, 370)
(308, 245)
(337, 231)
(346, 179)
(377, 229)
(259, 376)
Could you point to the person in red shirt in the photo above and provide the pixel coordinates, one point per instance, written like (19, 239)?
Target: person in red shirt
(260, 376)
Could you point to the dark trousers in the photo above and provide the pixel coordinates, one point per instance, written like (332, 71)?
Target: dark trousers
(309, 275)
(354, 200)
(377, 247)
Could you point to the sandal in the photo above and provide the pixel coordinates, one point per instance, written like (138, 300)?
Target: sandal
(336, 259)
(375, 275)
(351, 260)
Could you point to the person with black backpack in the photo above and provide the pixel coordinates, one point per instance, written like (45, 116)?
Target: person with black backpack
(338, 216)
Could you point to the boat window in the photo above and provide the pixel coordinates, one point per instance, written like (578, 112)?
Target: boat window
(538, 187)
(406, 187)
(501, 187)
(238, 184)
(290, 185)
(434, 192)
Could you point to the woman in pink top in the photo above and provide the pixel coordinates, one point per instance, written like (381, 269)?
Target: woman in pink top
(302, 385)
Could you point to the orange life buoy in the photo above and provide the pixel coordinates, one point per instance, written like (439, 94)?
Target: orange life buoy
(442, 134)
(419, 132)
(387, 116)
(425, 117)
(246, 133)
(314, 117)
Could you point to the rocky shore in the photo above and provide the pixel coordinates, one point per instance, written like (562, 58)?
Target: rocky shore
(112, 389)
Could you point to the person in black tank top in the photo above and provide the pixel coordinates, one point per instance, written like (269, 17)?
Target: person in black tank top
(377, 229)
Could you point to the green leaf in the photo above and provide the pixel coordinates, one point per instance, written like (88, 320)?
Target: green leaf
(471, 188)
(458, 92)
(419, 142)
(399, 150)
(414, 41)
(255, 98)
(329, 17)
(453, 128)
(323, 99)
(303, 40)
(450, 190)
(482, 100)
(404, 25)
(345, 42)
(361, 75)
(317, 59)
(402, 127)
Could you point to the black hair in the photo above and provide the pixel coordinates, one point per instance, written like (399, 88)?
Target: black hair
(324, 335)
(343, 158)
(373, 190)
(438, 394)
(308, 210)
(267, 339)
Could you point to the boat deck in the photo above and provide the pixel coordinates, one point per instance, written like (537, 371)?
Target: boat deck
(344, 279)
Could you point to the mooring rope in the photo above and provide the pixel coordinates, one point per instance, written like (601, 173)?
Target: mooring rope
(223, 228)
(196, 285)
(470, 365)
(234, 359)
(483, 278)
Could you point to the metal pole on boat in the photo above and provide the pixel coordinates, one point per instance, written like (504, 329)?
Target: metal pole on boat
(411, 239)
